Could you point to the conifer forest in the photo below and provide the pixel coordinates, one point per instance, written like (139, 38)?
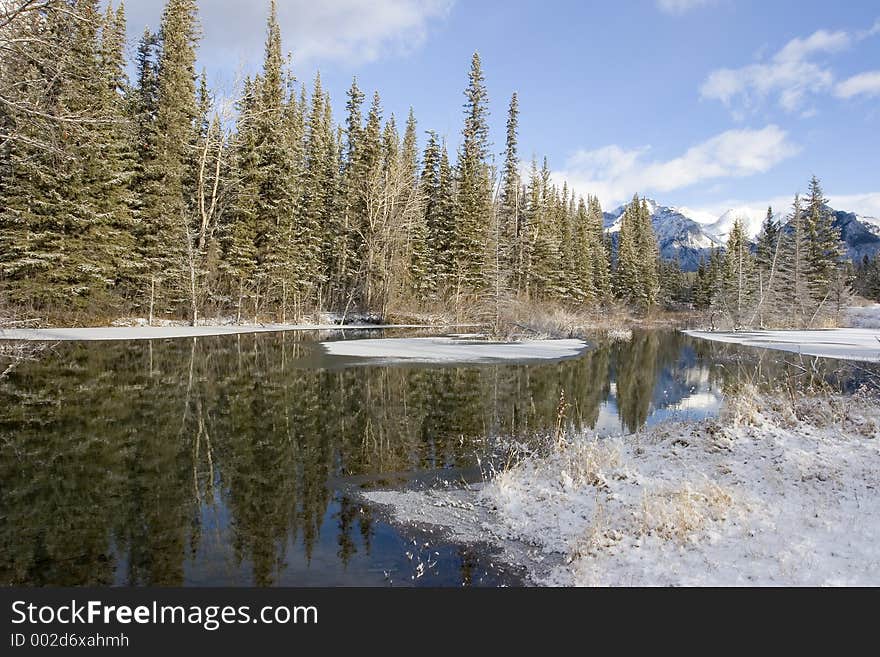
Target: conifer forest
(150, 195)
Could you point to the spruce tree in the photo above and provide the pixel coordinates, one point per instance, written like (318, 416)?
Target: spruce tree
(824, 249)
(600, 257)
(767, 262)
(510, 229)
(794, 269)
(738, 279)
(474, 187)
(169, 163)
(238, 230)
(276, 170)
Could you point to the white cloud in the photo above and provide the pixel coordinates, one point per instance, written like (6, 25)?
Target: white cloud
(615, 174)
(791, 75)
(867, 83)
(681, 6)
(349, 31)
(866, 205)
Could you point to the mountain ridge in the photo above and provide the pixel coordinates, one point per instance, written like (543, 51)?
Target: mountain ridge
(681, 235)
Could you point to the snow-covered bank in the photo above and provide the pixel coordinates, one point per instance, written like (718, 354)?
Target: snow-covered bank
(785, 494)
(844, 343)
(159, 332)
(864, 316)
(452, 350)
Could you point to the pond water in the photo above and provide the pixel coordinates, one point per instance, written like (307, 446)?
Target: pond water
(237, 460)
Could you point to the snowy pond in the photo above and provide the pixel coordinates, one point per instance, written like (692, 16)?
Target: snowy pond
(238, 460)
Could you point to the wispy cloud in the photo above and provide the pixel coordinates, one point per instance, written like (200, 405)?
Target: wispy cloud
(790, 76)
(615, 173)
(867, 83)
(349, 31)
(682, 6)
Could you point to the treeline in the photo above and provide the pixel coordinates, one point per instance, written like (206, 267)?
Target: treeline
(797, 276)
(150, 196)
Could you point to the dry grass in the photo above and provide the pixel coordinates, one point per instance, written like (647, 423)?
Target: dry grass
(681, 513)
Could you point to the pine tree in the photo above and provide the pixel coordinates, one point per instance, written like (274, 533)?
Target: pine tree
(793, 268)
(350, 241)
(65, 217)
(824, 249)
(738, 285)
(429, 184)
(474, 188)
(638, 276)
(238, 230)
(274, 214)
(169, 163)
(600, 257)
(767, 263)
(318, 199)
(510, 229)
(417, 248)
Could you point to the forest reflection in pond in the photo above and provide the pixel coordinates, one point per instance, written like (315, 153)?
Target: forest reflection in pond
(231, 460)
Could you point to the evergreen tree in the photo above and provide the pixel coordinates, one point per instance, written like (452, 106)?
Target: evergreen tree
(318, 184)
(738, 280)
(65, 218)
(794, 268)
(824, 249)
(600, 256)
(274, 214)
(638, 277)
(238, 231)
(767, 264)
(167, 193)
(510, 229)
(429, 184)
(350, 240)
(474, 187)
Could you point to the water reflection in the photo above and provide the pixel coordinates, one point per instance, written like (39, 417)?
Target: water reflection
(231, 460)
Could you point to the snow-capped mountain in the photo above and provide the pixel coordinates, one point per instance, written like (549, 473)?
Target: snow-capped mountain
(689, 235)
(678, 235)
(749, 218)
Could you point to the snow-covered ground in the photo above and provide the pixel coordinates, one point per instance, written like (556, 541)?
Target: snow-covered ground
(454, 350)
(777, 493)
(173, 331)
(860, 344)
(864, 316)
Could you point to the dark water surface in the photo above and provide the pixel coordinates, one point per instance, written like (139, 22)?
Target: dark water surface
(236, 460)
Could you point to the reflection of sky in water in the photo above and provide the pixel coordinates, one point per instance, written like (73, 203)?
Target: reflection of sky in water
(704, 401)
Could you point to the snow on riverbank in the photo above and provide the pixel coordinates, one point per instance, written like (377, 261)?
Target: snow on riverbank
(785, 495)
(160, 332)
(864, 316)
(451, 350)
(861, 344)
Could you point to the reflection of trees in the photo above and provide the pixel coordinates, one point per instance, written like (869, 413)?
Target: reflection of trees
(637, 372)
(112, 456)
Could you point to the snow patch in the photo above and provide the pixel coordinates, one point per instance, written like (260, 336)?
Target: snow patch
(844, 343)
(783, 492)
(864, 317)
(452, 350)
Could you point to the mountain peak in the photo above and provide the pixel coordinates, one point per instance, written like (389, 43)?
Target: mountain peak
(689, 235)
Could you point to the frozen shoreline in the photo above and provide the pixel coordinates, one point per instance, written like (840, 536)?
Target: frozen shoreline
(776, 494)
(860, 344)
(115, 333)
(454, 350)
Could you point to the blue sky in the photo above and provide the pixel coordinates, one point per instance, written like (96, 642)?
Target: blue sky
(707, 104)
